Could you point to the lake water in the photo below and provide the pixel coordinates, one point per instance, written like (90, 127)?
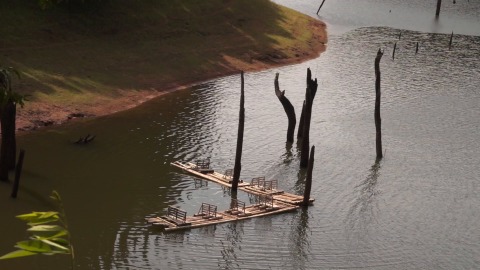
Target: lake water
(416, 209)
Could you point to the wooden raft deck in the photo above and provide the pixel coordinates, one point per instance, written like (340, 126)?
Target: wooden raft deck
(196, 221)
(211, 175)
(271, 201)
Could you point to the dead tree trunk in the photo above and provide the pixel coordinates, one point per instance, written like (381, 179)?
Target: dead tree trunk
(302, 122)
(8, 147)
(241, 123)
(378, 120)
(18, 173)
(312, 86)
(308, 181)
(289, 110)
(439, 5)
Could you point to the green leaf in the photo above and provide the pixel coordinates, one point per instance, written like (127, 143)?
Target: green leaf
(46, 228)
(34, 246)
(49, 235)
(36, 218)
(17, 254)
(51, 243)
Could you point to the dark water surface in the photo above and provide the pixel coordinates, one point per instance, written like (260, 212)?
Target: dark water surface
(416, 209)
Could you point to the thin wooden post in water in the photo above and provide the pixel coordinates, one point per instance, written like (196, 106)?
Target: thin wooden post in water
(439, 5)
(378, 120)
(241, 125)
(450, 42)
(416, 49)
(18, 172)
(320, 6)
(308, 181)
(394, 49)
(288, 108)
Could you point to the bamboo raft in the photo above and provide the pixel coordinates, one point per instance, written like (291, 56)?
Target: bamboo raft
(271, 200)
(258, 186)
(176, 219)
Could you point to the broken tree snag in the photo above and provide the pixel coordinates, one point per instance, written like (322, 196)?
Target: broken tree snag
(312, 86)
(289, 110)
(439, 5)
(378, 120)
(241, 124)
(308, 181)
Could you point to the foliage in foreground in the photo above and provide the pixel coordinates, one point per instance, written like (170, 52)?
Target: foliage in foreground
(49, 234)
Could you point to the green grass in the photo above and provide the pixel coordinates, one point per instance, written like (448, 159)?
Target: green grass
(73, 58)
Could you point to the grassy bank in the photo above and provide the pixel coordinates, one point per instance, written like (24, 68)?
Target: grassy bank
(117, 55)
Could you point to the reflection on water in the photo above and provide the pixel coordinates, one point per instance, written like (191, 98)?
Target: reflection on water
(425, 217)
(363, 210)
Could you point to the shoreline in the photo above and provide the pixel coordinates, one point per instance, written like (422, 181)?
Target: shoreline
(37, 114)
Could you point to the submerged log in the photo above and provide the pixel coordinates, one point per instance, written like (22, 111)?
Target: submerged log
(312, 86)
(378, 120)
(308, 181)
(241, 125)
(288, 108)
